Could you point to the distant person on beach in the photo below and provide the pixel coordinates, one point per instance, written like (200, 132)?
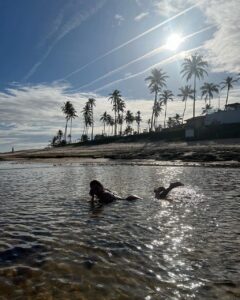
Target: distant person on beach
(12, 149)
(105, 196)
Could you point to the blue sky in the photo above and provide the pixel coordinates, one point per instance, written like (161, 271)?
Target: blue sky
(52, 50)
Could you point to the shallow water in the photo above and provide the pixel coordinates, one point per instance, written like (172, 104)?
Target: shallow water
(53, 245)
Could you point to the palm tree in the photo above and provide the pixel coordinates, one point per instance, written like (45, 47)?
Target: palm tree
(206, 109)
(149, 124)
(228, 83)
(177, 119)
(185, 93)
(87, 117)
(66, 109)
(194, 67)
(72, 115)
(59, 135)
(120, 110)
(54, 140)
(120, 122)
(157, 110)
(157, 80)
(128, 130)
(208, 89)
(104, 119)
(92, 102)
(129, 118)
(138, 119)
(110, 121)
(115, 99)
(165, 97)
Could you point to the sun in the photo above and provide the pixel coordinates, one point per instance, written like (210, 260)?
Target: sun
(173, 41)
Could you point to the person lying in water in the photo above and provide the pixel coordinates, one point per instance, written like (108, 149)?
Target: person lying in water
(106, 196)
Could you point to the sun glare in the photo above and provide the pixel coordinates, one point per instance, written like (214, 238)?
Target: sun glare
(174, 41)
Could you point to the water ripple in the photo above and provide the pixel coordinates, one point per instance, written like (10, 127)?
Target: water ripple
(53, 245)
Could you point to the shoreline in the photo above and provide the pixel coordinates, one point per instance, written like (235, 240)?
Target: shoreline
(211, 153)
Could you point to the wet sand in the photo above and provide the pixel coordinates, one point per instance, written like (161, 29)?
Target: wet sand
(219, 152)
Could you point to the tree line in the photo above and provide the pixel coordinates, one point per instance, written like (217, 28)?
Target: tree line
(193, 68)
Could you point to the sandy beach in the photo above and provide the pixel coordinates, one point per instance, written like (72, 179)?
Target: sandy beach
(218, 151)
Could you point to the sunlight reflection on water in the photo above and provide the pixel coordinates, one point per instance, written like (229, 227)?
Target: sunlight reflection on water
(54, 246)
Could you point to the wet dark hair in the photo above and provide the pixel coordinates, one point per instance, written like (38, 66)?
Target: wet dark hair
(96, 183)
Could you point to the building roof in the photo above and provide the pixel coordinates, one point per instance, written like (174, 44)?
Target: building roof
(233, 105)
(195, 118)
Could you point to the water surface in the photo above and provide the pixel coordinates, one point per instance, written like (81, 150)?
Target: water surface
(53, 245)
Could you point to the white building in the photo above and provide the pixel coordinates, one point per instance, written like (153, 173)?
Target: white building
(231, 115)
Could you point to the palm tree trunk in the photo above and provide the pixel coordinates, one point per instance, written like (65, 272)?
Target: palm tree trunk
(121, 124)
(194, 99)
(104, 127)
(154, 105)
(165, 116)
(219, 100)
(115, 123)
(65, 133)
(227, 97)
(71, 131)
(185, 106)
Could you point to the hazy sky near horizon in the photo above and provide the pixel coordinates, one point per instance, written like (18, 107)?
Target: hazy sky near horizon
(52, 51)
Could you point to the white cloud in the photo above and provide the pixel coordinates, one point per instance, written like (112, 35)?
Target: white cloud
(170, 7)
(119, 19)
(31, 115)
(223, 47)
(141, 16)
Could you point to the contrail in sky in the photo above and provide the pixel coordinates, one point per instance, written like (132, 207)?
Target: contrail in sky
(62, 30)
(147, 55)
(163, 62)
(130, 41)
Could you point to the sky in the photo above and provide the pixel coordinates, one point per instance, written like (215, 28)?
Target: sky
(52, 51)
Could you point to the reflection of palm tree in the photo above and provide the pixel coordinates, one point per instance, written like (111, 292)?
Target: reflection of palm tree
(194, 67)
(92, 102)
(157, 80)
(185, 93)
(104, 119)
(228, 83)
(208, 89)
(164, 98)
(138, 119)
(115, 98)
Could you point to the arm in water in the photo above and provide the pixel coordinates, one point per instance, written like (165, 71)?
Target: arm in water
(161, 192)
